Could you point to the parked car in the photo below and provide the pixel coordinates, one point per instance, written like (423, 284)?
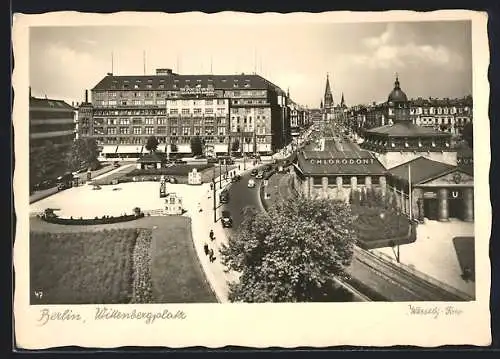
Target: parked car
(260, 175)
(254, 172)
(180, 162)
(116, 164)
(235, 178)
(226, 220)
(224, 196)
(251, 183)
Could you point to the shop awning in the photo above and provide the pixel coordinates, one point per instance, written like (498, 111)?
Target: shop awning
(130, 149)
(109, 149)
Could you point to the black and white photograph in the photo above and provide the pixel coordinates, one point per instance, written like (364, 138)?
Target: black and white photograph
(256, 162)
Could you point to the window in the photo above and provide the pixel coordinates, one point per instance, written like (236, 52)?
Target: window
(317, 181)
(162, 130)
(137, 130)
(197, 111)
(137, 102)
(112, 102)
(148, 102)
(160, 102)
(150, 130)
(208, 102)
(161, 121)
(209, 110)
(111, 130)
(124, 103)
(137, 121)
(149, 121)
(236, 93)
(220, 102)
(185, 111)
(124, 131)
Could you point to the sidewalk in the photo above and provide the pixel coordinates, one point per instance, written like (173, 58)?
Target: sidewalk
(201, 224)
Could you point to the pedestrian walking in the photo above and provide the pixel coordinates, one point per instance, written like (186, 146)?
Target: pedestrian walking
(212, 257)
(212, 236)
(199, 207)
(205, 248)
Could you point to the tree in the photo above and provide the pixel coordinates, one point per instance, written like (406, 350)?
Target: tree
(151, 144)
(196, 146)
(235, 146)
(468, 134)
(292, 253)
(84, 151)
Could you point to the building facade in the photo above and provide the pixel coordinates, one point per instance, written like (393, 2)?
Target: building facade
(447, 115)
(51, 120)
(401, 140)
(233, 113)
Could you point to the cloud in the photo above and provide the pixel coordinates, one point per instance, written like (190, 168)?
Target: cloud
(62, 72)
(398, 47)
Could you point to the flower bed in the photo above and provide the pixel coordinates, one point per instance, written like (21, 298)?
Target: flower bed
(142, 291)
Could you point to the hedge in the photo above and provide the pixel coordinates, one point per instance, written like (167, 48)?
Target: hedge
(91, 221)
(181, 170)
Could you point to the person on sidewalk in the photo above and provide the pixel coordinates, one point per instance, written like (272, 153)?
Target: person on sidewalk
(212, 236)
(199, 207)
(205, 248)
(212, 257)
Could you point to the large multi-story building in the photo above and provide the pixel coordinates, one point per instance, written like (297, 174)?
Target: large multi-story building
(449, 115)
(244, 113)
(51, 120)
(52, 131)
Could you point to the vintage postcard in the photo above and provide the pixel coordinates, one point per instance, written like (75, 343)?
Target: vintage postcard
(251, 179)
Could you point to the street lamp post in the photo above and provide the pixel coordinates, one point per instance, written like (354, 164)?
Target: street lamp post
(220, 174)
(214, 191)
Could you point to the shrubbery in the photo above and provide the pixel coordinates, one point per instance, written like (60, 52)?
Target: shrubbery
(379, 225)
(51, 217)
(142, 291)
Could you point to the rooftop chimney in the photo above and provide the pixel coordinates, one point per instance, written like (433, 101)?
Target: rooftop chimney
(164, 71)
(86, 96)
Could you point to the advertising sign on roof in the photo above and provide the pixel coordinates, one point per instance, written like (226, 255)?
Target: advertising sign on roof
(197, 91)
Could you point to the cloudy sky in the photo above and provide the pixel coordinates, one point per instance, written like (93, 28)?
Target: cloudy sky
(431, 58)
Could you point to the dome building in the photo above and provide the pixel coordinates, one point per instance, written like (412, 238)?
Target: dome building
(401, 140)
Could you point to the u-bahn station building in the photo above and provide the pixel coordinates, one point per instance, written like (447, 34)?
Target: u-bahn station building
(391, 160)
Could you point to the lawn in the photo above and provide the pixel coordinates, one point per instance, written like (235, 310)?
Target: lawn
(82, 267)
(176, 272)
(464, 247)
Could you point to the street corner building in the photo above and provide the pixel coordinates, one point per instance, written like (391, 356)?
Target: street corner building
(231, 113)
(414, 167)
(50, 121)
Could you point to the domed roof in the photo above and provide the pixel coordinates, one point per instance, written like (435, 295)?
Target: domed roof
(397, 95)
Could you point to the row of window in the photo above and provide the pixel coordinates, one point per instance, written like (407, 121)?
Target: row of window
(150, 130)
(346, 180)
(99, 95)
(154, 121)
(172, 139)
(42, 128)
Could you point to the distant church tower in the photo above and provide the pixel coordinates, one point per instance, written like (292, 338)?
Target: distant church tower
(328, 101)
(342, 102)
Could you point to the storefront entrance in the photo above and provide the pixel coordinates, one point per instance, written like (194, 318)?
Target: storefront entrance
(455, 208)
(431, 207)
